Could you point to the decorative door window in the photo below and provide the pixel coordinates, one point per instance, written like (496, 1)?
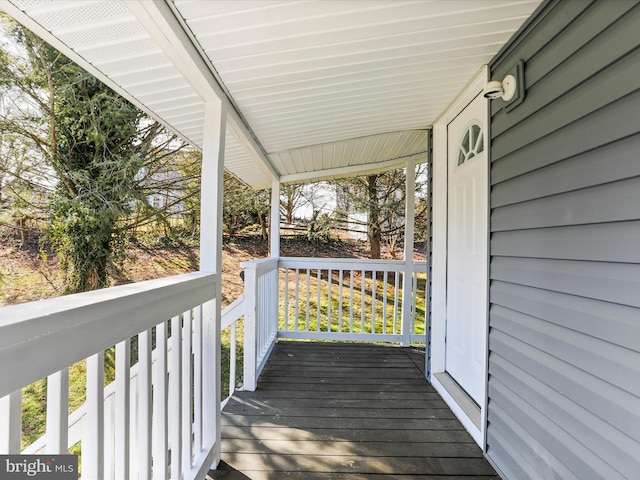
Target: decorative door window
(472, 144)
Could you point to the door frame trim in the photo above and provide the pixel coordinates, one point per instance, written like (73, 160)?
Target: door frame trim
(439, 254)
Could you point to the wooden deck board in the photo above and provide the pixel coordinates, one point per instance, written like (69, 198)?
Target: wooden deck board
(344, 412)
(343, 447)
(344, 434)
(324, 402)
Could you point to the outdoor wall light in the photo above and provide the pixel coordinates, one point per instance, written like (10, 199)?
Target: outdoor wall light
(510, 89)
(505, 89)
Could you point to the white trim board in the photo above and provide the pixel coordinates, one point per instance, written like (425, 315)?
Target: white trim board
(464, 401)
(439, 254)
(455, 399)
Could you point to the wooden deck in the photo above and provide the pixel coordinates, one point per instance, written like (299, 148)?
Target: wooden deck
(345, 411)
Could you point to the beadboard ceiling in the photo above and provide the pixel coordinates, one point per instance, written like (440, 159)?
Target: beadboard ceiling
(314, 88)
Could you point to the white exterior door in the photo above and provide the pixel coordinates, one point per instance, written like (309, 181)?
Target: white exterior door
(466, 310)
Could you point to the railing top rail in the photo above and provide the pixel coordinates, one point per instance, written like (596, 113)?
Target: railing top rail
(343, 264)
(232, 312)
(420, 266)
(262, 265)
(40, 338)
(265, 265)
(52, 307)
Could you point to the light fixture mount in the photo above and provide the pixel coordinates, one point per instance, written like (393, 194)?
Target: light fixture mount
(510, 89)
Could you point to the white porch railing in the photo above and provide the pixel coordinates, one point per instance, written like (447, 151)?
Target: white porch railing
(231, 317)
(260, 316)
(158, 419)
(330, 299)
(165, 406)
(356, 300)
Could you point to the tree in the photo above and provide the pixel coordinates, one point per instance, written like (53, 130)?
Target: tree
(422, 219)
(236, 205)
(244, 207)
(382, 197)
(378, 195)
(23, 186)
(262, 208)
(190, 166)
(169, 193)
(291, 197)
(319, 227)
(93, 143)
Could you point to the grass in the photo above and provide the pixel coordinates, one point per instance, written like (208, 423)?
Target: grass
(23, 281)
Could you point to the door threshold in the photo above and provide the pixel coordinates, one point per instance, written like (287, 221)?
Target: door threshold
(461, 397)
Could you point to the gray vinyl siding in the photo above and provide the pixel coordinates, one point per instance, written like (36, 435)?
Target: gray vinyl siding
(564, 319)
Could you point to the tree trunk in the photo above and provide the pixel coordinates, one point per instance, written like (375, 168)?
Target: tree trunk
(21, 227)
(375, 239)
(375, 233)
(263, 226)
(393, 244)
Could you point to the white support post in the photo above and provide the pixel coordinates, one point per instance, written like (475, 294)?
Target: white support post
(250, 381)
(409, 227)
(211, 414)
(11, 423)
(275, 219)
(215, 126)
(211, 194)
(275, 250)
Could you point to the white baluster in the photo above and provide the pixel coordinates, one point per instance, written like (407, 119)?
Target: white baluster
(340, 293)
(308, 320)
(11, 425)
(58, 412)
(175, 397)
(93, 441)
(160, 407)
(144, 405)
(186, 393)
(385, 284)
(122, 413)
(197, 380)
(351, 280)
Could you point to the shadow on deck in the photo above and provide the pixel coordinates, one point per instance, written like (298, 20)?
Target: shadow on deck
(345, 411)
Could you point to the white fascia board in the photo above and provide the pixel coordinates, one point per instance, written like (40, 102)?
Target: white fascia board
(160, 21)
(244, 137)
(353, 170)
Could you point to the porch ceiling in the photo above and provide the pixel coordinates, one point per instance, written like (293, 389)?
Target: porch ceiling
(315, 89)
